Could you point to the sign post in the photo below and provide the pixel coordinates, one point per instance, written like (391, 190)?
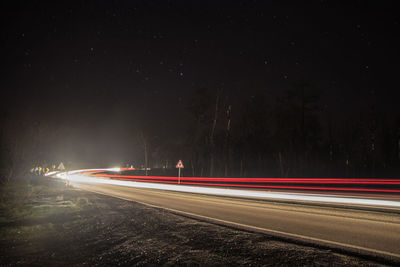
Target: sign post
(179, 166)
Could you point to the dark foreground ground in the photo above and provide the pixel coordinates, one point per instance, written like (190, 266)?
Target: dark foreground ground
(46, 223)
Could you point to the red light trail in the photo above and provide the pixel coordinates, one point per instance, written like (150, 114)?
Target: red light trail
(240, 186)
(236, 182)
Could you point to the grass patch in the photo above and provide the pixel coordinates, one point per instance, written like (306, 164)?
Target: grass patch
(35, 210)
(49, 210)
(82, 202)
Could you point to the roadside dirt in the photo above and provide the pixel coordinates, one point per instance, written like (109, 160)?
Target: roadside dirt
(97, 230)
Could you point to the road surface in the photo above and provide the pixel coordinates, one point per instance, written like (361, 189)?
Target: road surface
(368, 232)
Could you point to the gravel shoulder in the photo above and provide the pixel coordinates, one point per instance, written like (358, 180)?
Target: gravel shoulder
(55, 225)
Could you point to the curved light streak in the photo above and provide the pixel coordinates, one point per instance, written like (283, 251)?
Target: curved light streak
(82, 176)
(241, 193)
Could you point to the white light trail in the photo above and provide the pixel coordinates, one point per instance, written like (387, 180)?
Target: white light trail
(95, 170)
(237, 193)
(50, 173)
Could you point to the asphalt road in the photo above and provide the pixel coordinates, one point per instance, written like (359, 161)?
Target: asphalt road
(370, 232)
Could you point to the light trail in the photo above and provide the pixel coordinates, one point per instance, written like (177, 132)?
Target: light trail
(50, 173)
(266, 182)
(246, 182)
(165, 183)
(95, 170)
(269, 180)
(274, 186)
(242, 193)
(259, 180)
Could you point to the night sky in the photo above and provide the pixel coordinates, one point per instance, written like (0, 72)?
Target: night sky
(94, 70)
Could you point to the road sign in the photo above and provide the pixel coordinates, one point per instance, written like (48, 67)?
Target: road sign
(61, 167)
(180, 165)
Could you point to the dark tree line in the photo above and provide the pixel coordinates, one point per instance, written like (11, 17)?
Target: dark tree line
(290, 135)
(237, 135)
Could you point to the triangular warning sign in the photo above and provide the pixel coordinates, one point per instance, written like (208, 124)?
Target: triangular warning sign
(180, 165)
(61, 167)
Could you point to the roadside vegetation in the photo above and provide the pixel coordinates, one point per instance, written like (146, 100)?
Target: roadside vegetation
(35, 211)
(40, 199)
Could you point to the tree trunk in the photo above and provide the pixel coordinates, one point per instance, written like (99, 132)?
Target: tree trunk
(192, 165)
(281, 170)
(145, 157)
(145, 147)
(227, 140)
(242, 166)
(212, 145)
